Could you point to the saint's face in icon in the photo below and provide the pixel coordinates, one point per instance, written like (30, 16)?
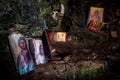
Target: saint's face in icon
(96, 13)
(22, 43)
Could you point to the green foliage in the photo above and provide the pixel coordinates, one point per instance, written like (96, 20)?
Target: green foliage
(27, 12)
(69, 75)
(35, 31)
(56, 6)
(78, 72)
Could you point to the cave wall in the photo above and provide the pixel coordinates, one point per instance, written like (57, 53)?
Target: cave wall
(76, 14)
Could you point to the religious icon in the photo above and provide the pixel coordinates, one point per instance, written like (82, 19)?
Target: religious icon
(93, 26)
(114, 34)
(36, 48)
(21, 54)
(60, 36)
(96, 14)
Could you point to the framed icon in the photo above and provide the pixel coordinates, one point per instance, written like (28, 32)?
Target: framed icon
(57, 36)
(37, 50)
(96, 14)
(21, 54)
